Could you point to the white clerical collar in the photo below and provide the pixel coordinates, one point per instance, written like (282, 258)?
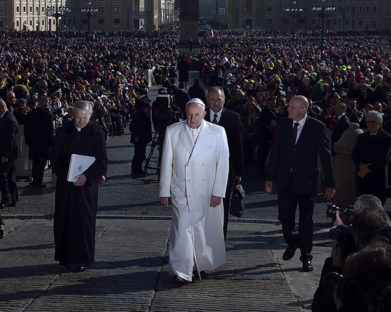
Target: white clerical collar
(194, 132)
(77, 128)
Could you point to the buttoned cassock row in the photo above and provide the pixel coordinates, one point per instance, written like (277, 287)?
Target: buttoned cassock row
(190, 176)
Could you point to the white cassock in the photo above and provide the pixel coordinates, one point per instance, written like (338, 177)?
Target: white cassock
(194, 166)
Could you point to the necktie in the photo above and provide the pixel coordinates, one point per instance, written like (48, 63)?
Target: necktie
(294, 133)
(215, 119)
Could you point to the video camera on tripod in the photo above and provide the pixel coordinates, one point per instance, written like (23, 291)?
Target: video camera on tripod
(164, 113)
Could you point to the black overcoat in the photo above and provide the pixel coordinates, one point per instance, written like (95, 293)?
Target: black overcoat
(376, 150)
(38, 132)
(75, 206)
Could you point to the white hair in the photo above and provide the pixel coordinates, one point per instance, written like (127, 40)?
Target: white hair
(378, 116)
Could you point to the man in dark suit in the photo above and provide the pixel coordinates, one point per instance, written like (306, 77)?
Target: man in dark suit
(233, 128)
(299, 141)
(342, 122)
(76, 202)
(181, 98)
(266, 123)
(140, 136)
(38, 133)
(371, 155)
(8, 153)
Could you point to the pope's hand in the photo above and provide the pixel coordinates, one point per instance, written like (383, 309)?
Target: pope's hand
(215, 201)
(164, 201)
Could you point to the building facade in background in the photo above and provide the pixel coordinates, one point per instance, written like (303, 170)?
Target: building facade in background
(310, 15)
(120, 15)
(85, 15)
(31, 15)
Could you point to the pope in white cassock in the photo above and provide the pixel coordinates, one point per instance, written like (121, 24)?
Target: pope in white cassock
(193, 175)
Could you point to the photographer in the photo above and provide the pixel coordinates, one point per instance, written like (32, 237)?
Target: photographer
(369, 222)
(369, 271)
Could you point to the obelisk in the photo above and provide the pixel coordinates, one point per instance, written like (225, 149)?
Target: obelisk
(188, 23)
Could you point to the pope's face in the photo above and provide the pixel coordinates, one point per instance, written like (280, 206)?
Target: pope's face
(194, 114)
(81, 117)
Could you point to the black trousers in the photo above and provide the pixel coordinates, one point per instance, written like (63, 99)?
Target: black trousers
(138, 158)
(38, 169)
(227, 201)
(287, 204)
(9, 189)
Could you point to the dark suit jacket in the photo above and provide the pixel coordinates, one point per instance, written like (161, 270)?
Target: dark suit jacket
(298, 164)
(233, 128)
(376, 150)
(339, 128)
(8, 132)
(180, 100)
(140, 127)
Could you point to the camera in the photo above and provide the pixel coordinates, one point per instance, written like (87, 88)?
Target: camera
(343, 236)
(164, 113)
(333, 279)
(346, 291)
(345, 213)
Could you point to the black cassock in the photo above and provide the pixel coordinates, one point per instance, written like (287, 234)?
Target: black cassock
(75, 206)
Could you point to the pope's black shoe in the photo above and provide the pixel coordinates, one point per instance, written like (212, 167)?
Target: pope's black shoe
(180, 281)
(289, 252)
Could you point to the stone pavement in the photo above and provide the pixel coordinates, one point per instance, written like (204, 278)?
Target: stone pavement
(131, 272)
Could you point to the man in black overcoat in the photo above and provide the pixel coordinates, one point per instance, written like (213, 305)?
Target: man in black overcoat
(266, 122)
(299, 141)
(342, 122)
(181, 98)
(371, 155)
(230, 121)
(76, 203)
(140, 135)
(8, 154)
(38, 133)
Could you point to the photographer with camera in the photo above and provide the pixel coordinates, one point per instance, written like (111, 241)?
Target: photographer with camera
(369, 223)
(369, 273)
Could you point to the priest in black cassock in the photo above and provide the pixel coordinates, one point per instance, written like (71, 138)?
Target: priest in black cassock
(76, 202)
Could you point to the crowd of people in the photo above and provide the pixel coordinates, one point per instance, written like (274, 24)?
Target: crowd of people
(344, 83)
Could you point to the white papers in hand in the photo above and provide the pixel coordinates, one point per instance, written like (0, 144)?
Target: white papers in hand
(78, 165)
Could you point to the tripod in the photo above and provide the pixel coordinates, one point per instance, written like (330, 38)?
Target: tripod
(155, 142)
